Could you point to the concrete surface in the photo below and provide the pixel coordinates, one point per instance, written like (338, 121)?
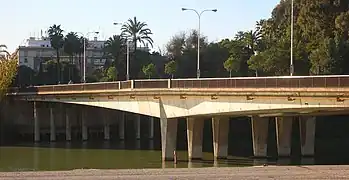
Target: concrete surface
(238, 173)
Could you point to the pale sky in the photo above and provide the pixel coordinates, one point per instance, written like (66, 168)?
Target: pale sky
(23, 18)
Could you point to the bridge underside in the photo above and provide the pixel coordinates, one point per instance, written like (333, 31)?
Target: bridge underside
(175, 106)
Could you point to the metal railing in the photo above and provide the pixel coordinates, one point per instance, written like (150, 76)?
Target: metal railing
(333, 81)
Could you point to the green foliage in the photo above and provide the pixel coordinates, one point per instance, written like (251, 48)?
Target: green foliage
(112, 74)
(149, 70)
(137, 31)
(8, 69)
(57, 42)
(171, 68)
(231, 64)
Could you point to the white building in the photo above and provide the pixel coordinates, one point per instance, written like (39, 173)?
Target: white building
(37, 51)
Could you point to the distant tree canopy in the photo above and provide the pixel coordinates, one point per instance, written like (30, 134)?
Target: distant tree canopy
(321, 46)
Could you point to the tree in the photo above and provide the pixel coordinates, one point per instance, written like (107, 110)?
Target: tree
(138, 31)
(3, 52)
(175, 47)
(171, 68)
(112, 73)
(149, 70)
(8, 69)
(231, 64)
(71, 47)
(115, 48)
(56, 39)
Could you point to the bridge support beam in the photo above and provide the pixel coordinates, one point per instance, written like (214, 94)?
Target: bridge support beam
(36, 122)
(138, 126)
(260, 135)
(220, 129)
(106, 129)
(84, 130)
(307, 135)
(194, 134)
(122, 126)
(283, 135)
(52, 125)
(67, 125)
(168, 138)
(151, 127)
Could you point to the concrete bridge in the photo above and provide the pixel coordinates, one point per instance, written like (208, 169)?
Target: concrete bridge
(285, 98)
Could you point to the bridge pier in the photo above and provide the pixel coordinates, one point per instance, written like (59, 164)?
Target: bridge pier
(52, 125)
(122, 126)
(220, 129)
(168, 138)
(36, 122)
(194, 134)
(307, 135)
(106, 129)
(84, 130)
(67, 124)
(260, 135)
(138, 126)
(151, 128)
(283, 135)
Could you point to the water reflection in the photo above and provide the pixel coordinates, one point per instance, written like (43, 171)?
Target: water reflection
(116, 155)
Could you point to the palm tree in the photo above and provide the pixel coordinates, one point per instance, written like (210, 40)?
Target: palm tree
(2, 50)
(56, 38)
(138, 31)
(71, 45)
(114, 46)
(79, 50)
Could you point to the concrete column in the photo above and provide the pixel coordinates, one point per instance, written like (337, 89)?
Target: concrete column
(138, 126)
(122, 126)
(151, 127)
(67, 126)
(106, 126)
(36, 123)
(307, 135)
(84, 132)
(260, 135)
(283, 135)
(168, 138)
(194, 134)
(52, 125)
(220, 129)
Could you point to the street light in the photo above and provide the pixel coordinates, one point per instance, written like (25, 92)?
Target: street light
(199, 16)
(127, 55)
(291, 63)
(84, 41)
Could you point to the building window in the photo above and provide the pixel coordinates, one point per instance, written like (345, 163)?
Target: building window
(25, 60)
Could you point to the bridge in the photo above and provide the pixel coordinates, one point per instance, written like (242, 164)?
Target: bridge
(261, 98)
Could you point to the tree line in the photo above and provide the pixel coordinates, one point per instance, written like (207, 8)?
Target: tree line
(320, 47)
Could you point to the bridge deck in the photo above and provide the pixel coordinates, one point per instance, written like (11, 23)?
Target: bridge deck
(283, 83)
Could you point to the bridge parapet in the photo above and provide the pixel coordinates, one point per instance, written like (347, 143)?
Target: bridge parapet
(332, 81)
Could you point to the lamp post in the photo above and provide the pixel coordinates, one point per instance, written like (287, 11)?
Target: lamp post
(127, 55)
(84, 44)
(199, 16)
(291, 61)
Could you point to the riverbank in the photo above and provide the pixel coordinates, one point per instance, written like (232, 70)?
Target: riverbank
(256, 172)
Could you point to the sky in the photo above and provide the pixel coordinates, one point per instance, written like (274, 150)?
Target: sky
(21, 19)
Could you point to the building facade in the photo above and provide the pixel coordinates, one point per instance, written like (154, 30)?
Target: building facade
(39, 50)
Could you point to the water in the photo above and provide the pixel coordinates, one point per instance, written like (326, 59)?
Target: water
(21, 154)
(109, 155)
